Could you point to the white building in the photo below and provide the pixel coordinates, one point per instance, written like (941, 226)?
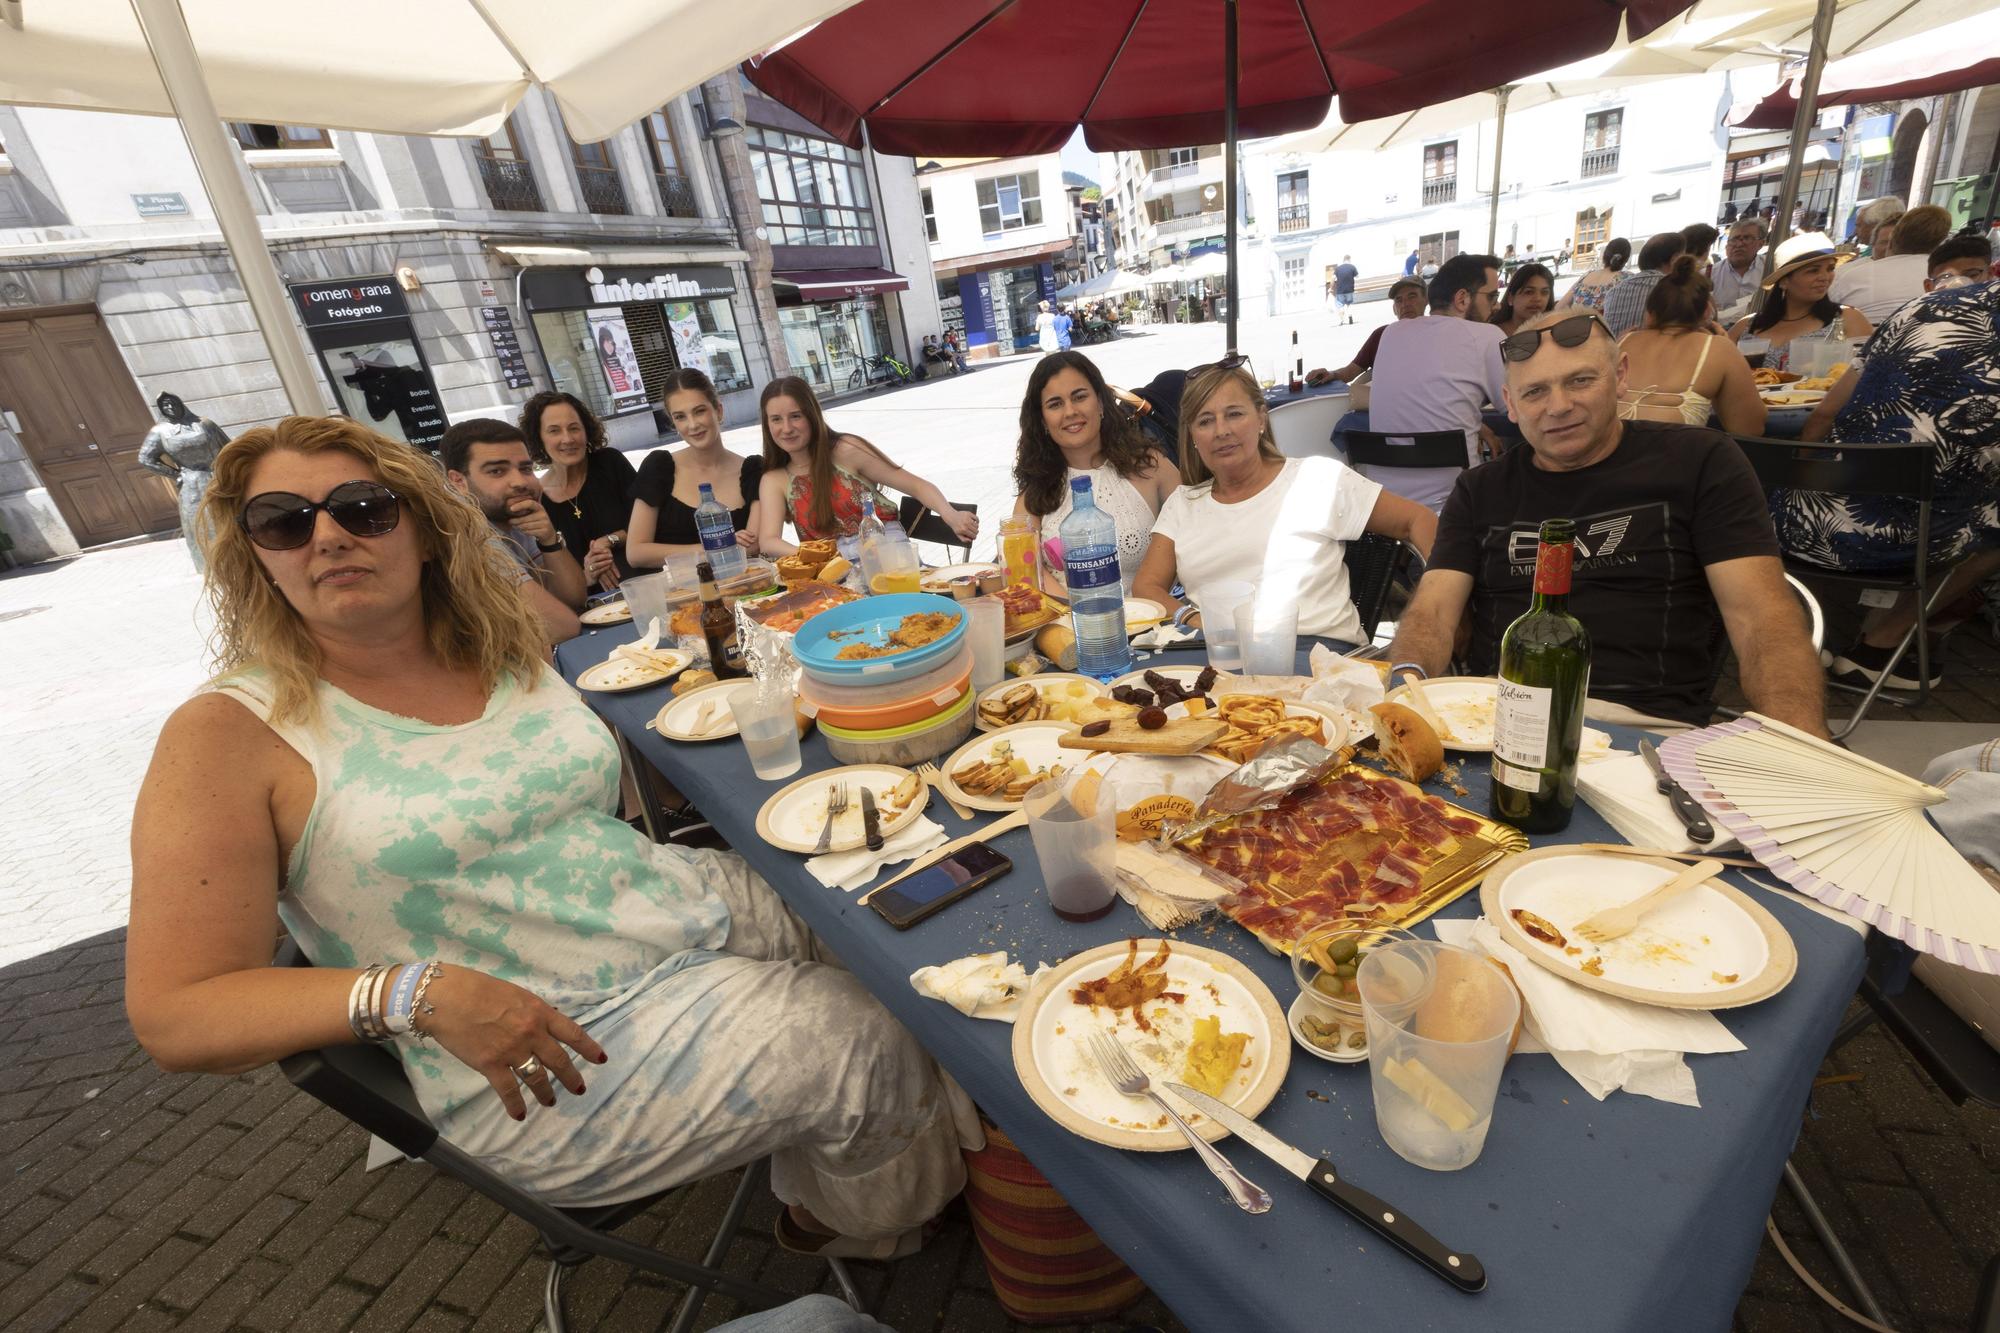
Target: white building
(1166, 202)
(999, 229)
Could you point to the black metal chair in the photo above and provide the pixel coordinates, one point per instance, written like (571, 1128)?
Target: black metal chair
(1373, 561)
(366, 1084)
(1896, 471)
(1425, 448)
(924, 526)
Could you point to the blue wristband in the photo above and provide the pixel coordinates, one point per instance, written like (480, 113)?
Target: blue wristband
(397, 1013)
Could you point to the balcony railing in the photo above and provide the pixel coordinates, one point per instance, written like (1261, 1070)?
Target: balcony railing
(1600, 161)
(677, 194)
(1294, 217)
(603, 192)
(1440, 190)
(1176, 171)
(510, 184)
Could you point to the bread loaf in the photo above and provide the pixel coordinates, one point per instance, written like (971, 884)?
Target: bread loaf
(1406, 741)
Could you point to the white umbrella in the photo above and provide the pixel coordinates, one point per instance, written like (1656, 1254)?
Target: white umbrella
(389, 66)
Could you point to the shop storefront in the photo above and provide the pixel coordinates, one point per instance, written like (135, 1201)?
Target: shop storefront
(834, 322)
(993, 299)
(611, 336)
(368, 349)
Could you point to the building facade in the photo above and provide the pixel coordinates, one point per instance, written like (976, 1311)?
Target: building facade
(1003, 236)
(1165, 204)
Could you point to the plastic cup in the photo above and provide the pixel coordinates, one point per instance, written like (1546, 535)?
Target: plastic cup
(1270, 638)
(770, 730)
(986, 627)
(1440, 1021)
(647, 596)
(1078, 851)
(1218, 603)
(896, 568)
(1753, 350)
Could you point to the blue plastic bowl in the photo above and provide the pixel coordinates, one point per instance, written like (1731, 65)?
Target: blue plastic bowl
(816, 649)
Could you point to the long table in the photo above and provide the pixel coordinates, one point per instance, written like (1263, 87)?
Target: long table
(1628, 1214)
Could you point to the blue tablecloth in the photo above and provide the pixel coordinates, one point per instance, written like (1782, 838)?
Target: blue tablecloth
(1628, 1214)
(1280, 395)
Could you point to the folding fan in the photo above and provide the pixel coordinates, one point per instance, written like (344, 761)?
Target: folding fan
(1843, 829)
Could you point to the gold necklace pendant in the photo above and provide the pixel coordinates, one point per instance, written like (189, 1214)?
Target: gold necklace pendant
(576, 509)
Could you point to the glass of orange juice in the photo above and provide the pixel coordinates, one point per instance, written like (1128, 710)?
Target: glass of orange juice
(897, 569)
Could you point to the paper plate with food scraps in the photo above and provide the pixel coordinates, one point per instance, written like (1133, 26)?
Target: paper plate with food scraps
(793, 817)
(1255, 720)
(608, 613)
(619, 673)
(1183, 1013)
(994, 770)
(1054, 696)
(1142, 613)
(701, 714)
(1707, 947)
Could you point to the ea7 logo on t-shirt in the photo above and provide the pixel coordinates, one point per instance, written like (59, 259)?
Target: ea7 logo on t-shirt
(1615, 537)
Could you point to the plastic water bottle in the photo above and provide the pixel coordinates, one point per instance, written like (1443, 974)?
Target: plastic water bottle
(1096, 597)
(718, 535)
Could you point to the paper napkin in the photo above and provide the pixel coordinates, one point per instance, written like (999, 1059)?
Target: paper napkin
(983, 985)
(851, 870)
(1623, 789)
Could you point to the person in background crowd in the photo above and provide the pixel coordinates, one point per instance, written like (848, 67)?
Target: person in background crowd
(1929, 375)
(1063, 326)
(1045, 328)
(1872, 217)
(1728, 213)
(487, 461)
(1693, 551)
(1625, 305)
(1439, 373)
(955, 348)
(1072, 426)
(1698, 239)
(1407, 299)
(821, 480)
(1562, 258)
(1878, 286)
(1588, 291)
(587, 488)
(1795, 305)
(1344, 274)
(1688, 369)
(1740, 275)
(1529, 292)
(1410, 263)
(668, 487)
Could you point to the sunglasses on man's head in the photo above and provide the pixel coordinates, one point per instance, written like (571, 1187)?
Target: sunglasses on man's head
(282, 521)
(1571, 332)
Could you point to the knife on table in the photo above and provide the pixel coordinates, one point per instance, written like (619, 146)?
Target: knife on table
(1456, 1267)
(1686, 808)
(871, 822)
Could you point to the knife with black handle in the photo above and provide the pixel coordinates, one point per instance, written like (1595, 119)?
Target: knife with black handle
(1686, 808)
(871, 820)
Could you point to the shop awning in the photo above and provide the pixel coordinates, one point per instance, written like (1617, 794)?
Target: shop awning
(1818, 155)
(1020, 254)
(529, 255)
(833, 283)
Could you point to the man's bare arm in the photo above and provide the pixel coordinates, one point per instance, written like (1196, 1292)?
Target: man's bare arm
(1429, 626)
(1775, 661)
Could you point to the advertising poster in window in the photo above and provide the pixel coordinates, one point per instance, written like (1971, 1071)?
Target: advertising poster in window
(608, 334)
(690, 343)
(368, 348)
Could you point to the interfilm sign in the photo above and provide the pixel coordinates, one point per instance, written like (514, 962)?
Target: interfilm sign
(344, 301)
(575, 289)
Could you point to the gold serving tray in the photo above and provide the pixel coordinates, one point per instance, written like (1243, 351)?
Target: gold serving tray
(1442, 884)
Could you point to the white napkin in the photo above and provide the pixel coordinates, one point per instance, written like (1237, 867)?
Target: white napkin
(983, 985)
(1164, 635)
(1343, 681)
(850, 870)
(1606, 1044)
(1622, 789)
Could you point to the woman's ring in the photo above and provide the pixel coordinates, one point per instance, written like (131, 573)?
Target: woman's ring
(530, 1068)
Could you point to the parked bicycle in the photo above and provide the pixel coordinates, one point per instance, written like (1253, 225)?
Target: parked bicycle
(880, 369)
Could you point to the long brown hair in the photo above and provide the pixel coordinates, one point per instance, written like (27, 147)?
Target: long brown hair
(1041, 474)
(1204, 386)
(819, 450)
(1679, 300)
(474, 613)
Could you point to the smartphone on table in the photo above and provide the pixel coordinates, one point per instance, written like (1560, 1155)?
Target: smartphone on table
(938, 886)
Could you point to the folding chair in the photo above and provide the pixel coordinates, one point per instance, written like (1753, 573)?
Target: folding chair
(924, 526)
(1373, 561)
(366, 1084)
(1897, 471)
(1426, 448)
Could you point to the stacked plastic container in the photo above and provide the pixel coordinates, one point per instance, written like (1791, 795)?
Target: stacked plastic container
(902, 708)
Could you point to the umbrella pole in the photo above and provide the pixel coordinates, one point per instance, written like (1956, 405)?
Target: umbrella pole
(1500, 96)
(1229, 164)
(172, 49)
(1802, 121)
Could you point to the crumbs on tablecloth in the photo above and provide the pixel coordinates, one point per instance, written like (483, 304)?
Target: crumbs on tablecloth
(1319, 1096)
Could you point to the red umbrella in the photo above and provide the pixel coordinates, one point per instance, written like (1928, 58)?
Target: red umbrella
(1007, 78)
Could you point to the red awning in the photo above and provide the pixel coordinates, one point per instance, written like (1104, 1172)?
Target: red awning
(834, 283)
(1951, 59)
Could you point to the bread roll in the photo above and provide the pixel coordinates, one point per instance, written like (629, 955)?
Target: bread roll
(1407, 741)
(1455, 1009)
(1058, 643)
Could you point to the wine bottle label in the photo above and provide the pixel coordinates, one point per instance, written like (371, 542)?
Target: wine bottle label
(1552, 568)
(1521, 724)
(1521, 779)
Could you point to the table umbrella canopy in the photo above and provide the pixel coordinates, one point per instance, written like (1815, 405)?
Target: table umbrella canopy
(1960, 55)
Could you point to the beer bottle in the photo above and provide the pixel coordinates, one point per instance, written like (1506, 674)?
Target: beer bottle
(718, 627)
(1538, 717)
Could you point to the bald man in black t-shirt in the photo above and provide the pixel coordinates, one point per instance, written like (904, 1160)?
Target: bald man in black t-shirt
(1673, 544)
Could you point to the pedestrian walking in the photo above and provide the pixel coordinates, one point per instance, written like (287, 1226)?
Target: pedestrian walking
(1344, 275)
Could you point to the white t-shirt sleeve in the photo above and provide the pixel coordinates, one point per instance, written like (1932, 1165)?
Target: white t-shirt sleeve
(1496, 372)
(1350, 496)
(1173, 515)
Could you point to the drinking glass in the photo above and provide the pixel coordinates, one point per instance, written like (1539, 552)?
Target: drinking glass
(1270, 638)
(1020, 552)
(1218, 603)
(769, 726)
(1077, 849)
(896, 568)
(986, 626)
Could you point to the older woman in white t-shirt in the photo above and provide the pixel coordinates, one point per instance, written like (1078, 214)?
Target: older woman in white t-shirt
(1245, 512)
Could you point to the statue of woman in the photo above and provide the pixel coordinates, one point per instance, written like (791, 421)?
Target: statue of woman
(182, 448)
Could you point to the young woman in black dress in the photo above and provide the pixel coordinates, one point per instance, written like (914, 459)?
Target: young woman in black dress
(669, 484)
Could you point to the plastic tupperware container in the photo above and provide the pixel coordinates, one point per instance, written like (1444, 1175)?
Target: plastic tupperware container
(897, 704)
(871, 620)
(904, 745)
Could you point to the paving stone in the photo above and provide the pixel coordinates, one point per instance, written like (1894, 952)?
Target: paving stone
(310, 1274)
(1919, 1250)
(227, 1251)
(336, 1309)
(378, 1265)
(505, 1250)
(220, 1309)
(137, 1281)
(55, 1268)
(54, 1310)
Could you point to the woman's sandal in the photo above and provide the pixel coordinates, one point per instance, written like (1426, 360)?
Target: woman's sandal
(792, 1237)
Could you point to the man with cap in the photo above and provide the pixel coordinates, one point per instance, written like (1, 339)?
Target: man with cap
(1406, 298)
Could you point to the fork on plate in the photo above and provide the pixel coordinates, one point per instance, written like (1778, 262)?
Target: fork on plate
(1129, 1079)
(1614, 922)
(836, 803)
(931, 774)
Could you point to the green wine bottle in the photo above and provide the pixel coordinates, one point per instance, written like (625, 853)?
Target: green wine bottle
(1544, 675)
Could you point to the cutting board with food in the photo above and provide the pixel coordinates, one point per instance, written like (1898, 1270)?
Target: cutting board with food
(1132, 735)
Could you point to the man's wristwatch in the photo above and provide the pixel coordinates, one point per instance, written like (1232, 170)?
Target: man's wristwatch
(551, 548)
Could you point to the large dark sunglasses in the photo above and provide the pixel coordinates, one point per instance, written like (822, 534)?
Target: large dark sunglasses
(1230, 362)
(282, 521)
(1571, 332)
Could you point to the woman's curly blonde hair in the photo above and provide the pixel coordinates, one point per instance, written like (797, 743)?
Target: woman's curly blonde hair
(473, 610)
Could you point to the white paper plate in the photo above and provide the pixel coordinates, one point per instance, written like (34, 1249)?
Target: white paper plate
(1344, 1056)
(1142, 613)
(616, 674)
(1332, 724)
(1052, 1053)
(792, 818)
(1060, 680)
(1709, 947)
(961, 571)
(1465, 703)
(676, 719)
(608, 613)
(1185, 674)
(1033, 742)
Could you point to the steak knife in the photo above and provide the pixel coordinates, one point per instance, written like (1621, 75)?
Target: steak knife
(1456, 1267)
(871, 821)
(1686, 808)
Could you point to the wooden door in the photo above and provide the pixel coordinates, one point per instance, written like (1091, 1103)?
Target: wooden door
(81, 421)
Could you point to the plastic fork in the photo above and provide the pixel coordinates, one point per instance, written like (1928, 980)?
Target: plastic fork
(836, 802)
(1129, 1079)
(931, 774)
(1613, 922)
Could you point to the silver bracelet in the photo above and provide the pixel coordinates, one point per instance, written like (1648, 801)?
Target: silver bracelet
(372, 1014)
(360, 1011)
(418, 1007)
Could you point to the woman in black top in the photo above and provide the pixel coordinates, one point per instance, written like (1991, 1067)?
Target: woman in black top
(669, 484)
(587, 488)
